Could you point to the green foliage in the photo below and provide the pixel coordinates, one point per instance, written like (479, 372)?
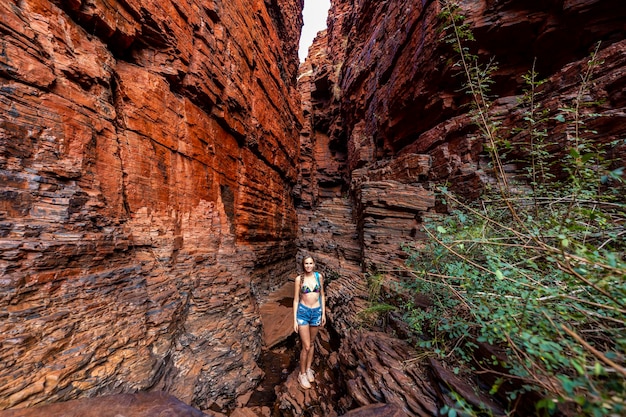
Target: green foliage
(461, 408)
(378, 308)
(539, 273)
(375, 313)
(374, 285)
(554, 297)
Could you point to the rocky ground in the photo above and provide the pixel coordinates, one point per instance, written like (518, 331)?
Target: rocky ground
(159, 179)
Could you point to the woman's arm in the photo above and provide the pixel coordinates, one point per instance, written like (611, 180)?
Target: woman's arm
(296, 301)
(323, 301)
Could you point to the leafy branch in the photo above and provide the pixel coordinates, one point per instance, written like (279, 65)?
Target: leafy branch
(540, 275)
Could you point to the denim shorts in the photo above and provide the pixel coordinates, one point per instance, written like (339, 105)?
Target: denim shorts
(307, 316)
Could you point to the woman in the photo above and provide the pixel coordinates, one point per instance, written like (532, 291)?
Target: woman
(309, 312)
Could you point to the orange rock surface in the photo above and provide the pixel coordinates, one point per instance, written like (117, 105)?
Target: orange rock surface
(153, 154)
(386, 121)
(153, 404)
(147, 153)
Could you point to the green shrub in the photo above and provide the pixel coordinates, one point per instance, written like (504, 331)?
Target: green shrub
(539, 273)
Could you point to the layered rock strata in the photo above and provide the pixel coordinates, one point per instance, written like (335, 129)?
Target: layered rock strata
(386, 122)
(149, 168)
(384, 113)
(397, 80)
(147, 156)
(152, 404)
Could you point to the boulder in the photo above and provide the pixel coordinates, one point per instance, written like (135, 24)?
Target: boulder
(142, 404)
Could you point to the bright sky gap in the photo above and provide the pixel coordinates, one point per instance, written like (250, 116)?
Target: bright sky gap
(315, 13)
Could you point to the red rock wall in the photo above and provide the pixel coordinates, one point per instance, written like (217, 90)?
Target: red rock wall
(147, 155)
(380, 85)
(385, 122)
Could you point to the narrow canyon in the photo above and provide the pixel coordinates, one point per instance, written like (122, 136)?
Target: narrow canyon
(164, 166)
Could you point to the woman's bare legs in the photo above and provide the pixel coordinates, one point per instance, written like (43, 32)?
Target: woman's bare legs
(312, 333)
(305, 339)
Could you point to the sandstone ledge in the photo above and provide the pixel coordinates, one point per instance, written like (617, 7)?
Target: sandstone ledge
(146, 404)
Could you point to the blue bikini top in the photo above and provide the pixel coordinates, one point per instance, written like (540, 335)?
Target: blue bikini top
(305, 290)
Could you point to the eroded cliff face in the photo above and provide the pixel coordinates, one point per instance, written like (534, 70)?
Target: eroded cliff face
(152, 153)
(386, 121)
(386, 118)
(147, 155)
